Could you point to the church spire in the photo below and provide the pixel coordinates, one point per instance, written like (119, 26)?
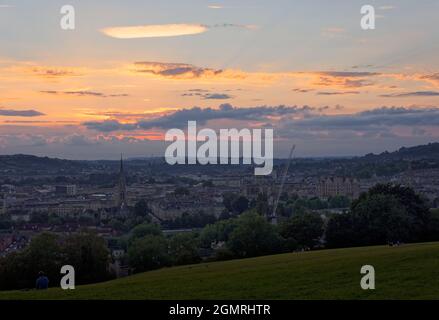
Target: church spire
(121, 192)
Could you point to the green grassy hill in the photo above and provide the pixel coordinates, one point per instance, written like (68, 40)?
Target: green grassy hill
(406, 272)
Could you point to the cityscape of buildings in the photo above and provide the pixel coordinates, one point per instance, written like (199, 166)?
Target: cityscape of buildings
(101, 197)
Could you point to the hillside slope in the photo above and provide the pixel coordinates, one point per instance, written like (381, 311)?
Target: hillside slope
(427, 151)
(406, 272)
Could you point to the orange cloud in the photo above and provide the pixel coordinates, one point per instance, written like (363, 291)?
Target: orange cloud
(432, 78)
(48, 72)
(18, 70)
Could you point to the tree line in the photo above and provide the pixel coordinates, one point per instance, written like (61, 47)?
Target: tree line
(48, 252)
(386, 214)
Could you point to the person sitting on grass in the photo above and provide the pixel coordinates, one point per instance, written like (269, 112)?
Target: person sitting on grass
(42, 281)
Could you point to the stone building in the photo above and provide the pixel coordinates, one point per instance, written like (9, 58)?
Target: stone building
(338, 186)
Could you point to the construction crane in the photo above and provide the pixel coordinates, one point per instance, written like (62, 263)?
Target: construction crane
(273, 217)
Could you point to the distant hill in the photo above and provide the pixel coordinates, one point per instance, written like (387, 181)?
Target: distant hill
(405, 272)
(28, 164)
(428, 151)
(32, 164)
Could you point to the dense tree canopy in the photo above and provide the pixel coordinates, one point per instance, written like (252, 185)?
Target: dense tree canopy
(218, 232)
(303, 230)
(253, 236)
(143, 230)
(385, 214)
(183, 249)
(148, 253)
(86, 252)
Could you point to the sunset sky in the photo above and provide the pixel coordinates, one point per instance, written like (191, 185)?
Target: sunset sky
(133, 69)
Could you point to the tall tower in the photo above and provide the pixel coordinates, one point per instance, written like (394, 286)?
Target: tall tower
(122, 188)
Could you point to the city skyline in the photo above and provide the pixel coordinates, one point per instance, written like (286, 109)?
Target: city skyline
(132, 70)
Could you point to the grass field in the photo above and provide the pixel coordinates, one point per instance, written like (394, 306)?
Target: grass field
(406, 272)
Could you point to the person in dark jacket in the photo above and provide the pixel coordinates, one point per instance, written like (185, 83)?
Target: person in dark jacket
(42, 281)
